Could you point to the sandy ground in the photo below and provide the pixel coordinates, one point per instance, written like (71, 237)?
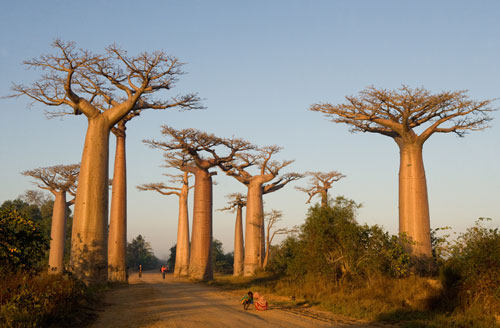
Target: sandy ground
(151, 301)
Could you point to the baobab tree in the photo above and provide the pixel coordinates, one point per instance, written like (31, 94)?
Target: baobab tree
(198, 145)
(104, 88)
(117, 235)
(235, 204)
(182, 246)
(319, 184)
(59, 180)
(410, 117)
(266, 180)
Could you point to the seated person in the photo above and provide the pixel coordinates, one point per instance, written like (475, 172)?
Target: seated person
(247, 300)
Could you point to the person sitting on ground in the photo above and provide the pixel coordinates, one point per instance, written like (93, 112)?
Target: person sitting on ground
(260, 302)
(246, 300)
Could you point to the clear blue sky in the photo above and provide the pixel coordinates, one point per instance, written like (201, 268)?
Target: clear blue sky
(259, 65)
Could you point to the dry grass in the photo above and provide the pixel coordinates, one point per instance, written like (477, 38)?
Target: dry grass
(410, 302)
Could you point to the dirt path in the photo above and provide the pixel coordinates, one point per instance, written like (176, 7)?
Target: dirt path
(175, 302)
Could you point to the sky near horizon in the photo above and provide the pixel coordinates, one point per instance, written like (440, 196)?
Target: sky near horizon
(258, 66)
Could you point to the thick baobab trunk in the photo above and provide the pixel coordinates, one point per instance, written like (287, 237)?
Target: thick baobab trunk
(324, 198)
(200, 262)
(182, 251)
(253, 229)
(58, 233)
(413, 203)
(238, 243)
(117, 242)
(90, 224)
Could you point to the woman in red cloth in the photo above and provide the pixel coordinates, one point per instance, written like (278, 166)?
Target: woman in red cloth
(260, 302)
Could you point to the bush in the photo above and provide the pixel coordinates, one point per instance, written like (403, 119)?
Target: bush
(471, 274)
(334, 247)
(22, 241)
(33, 301)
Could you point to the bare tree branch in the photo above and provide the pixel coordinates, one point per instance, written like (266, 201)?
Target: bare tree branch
(56, 178)
(397, 113)
(320, 183)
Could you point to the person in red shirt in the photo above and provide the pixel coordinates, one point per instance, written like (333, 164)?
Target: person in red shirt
(163, 271)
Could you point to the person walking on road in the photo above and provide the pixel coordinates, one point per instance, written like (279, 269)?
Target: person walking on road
(163, 271)
(140, 270)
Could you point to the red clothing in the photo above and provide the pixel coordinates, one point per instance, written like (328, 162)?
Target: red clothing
(260, 302)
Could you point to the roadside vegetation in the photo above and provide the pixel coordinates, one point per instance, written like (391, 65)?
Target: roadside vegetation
(29, 297)
(364, 272)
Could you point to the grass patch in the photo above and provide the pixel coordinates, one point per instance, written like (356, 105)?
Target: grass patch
(411, 302)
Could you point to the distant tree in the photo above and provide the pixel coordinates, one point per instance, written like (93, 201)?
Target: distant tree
(222, 262)
(410, 117)
(172, 257)
(266, 180)
(104, 88)
(35, 197)
(235, 204)
(139, 251)
(22, 241)
(272, 218)
(182, 256)
(319, 184)
(201, 147)
(59, 180)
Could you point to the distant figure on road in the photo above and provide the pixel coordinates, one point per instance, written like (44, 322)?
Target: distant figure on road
(140, 270)
(163, 271)
(247, 300)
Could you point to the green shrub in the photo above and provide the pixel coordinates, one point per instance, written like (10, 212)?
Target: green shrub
(471, 274)
(333, 247)
(28, 300)
(22, 241)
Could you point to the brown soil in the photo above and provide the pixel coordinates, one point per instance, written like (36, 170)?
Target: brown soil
(151, 301)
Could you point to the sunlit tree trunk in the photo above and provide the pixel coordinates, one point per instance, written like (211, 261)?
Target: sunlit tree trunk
(58, 233)
(253, 229)
(324, 198)
(238, 243)
(89, 234)
(200, 262)
(117, 242)
(182, 250)
(413, 202)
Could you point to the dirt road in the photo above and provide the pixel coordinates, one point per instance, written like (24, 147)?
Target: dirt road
(151, 301)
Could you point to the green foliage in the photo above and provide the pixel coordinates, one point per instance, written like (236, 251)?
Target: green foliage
(335, 248)
(22, 242)
(39, 211)
(471, 273)
(171, 258)
(139, 251)
(221, 262)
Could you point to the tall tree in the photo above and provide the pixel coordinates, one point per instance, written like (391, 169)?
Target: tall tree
(235, 204)
(200, 146)
(402, 114)
(104, 88)
(319, 184)
(59, 180)
(182, 246)
(265, 181)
